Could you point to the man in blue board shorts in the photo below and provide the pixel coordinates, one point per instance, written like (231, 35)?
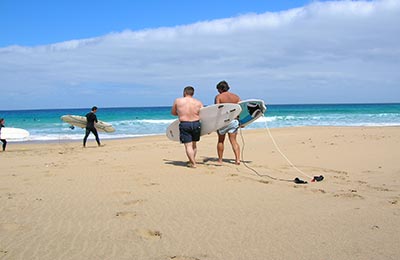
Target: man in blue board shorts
(187, 108)
(227, 97)
(90, 128)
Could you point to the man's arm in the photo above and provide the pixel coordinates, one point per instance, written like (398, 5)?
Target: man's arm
(216, 100)
(174, 110)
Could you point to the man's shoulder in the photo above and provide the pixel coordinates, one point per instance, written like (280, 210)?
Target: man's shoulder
(227, 97)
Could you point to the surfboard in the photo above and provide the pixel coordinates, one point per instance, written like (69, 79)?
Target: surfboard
(212, 118)
(80, 121)
(11, 133)
(252, 109)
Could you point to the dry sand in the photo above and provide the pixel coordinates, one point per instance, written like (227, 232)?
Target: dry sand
(136, 199)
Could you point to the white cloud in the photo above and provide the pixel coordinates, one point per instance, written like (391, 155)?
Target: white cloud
(341, 51)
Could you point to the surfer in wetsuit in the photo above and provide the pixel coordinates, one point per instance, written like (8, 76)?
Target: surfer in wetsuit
(187, 109)
(227, 97)
(4, 141)
(91, 120)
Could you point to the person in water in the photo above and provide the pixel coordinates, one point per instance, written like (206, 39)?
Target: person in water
(225, 96)
(90, 128)
(4, 141)
(187, 108)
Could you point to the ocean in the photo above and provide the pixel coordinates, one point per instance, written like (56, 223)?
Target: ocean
(46, 125)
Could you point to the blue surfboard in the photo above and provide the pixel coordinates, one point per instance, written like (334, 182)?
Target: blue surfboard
(252, 109)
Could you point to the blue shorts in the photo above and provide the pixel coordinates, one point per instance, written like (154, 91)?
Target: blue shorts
(189, 131)
(231, 128)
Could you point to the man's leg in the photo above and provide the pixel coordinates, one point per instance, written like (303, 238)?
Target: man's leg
(235, 147)
(4, 144)
(220, 147)
(191, 153)
(86, 136)
(94, 131)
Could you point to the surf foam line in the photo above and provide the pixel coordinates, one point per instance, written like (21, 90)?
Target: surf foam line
(296, 180)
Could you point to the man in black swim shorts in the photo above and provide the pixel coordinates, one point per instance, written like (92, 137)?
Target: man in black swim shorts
(189, 131)
(187, 109)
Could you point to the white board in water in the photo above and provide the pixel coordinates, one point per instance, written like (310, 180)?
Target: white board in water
(212, 118)
(80, 121)
(252, 109)
(11, 133)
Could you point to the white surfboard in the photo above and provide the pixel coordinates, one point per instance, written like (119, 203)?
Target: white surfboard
(212, 118)
(11, 133)
(252, 109)
(80, 121)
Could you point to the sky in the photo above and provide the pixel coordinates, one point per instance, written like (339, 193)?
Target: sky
(121, 53)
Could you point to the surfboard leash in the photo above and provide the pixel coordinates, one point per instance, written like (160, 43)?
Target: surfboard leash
(252, 169)
(296, 180)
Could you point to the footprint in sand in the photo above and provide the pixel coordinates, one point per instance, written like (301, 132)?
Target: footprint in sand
(183, 258)
(126, 214)
(133, 202)
(118, 193)
(151, 184)
(394, 201)
(264, 181)
(318, 191)
(148, 234)
(350, 194)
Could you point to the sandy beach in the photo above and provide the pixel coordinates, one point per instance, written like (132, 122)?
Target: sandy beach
(136, 199)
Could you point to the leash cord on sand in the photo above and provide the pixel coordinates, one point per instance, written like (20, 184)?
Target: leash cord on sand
(296, 180)
(283, 155)
(253, 170)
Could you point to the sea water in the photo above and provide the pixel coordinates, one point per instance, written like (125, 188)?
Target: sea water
(46, 125)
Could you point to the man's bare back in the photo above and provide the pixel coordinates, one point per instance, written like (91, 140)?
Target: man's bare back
(226, 97)
(187, 109)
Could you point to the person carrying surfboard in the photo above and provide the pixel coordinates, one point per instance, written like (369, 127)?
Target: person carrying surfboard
(225, 96)
(187, 108)
(4, 141)
(91, 119)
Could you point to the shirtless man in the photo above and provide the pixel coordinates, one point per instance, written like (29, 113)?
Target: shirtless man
(227, 97)
(187, 109)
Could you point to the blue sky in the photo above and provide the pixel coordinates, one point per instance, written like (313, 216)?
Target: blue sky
(60, 54)
(29, 23)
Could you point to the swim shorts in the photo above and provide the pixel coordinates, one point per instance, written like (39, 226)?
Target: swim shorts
(189, 131)
(231, 128)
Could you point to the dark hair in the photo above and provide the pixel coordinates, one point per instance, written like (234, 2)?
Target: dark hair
(1, 119)
(189, 90)
(223, 86)
(94, 108)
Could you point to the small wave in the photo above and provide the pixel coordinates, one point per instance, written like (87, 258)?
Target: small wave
(142, 121)
(103, 136)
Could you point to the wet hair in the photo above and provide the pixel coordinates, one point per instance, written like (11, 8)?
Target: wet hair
(223, 86)
(1, 119)
(94, 108)
(189, 90)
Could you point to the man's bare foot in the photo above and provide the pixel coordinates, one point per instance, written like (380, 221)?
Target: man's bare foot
(191, 165)
(237, 162)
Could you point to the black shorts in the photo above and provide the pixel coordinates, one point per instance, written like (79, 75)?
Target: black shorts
(189, 131)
